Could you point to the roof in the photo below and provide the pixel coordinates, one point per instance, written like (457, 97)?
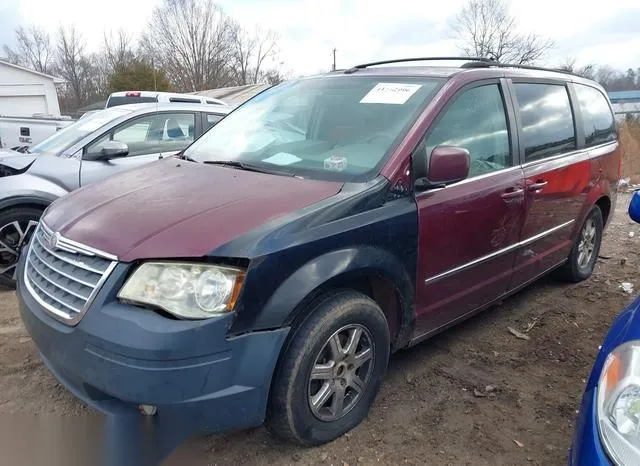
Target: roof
(179, 106)
(55, 79)
(235, 95)
(624, 95)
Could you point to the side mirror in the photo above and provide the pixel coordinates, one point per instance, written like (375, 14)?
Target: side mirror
(113, 149)
(447, 164)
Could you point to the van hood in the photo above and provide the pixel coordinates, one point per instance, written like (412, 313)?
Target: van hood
(175, 209)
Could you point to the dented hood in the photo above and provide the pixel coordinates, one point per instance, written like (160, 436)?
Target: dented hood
(175, 208)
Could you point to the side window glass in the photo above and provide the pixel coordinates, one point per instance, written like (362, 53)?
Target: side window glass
(476, 121)
(151, 134)
(547, 120)
(599, 124)
(212, 119)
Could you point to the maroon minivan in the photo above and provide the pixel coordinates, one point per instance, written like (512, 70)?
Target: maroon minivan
(267, 272)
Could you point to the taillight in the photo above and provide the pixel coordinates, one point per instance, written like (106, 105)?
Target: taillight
(133, 94)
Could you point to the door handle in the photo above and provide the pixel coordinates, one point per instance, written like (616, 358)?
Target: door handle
(512, 193)
(537, 186)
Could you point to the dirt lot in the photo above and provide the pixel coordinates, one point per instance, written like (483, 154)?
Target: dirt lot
(436, 406)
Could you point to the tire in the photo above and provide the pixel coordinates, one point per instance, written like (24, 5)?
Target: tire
(16, 227)
(345, 314)
(577, 269)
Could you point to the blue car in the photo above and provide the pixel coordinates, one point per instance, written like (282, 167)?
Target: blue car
(608, 426)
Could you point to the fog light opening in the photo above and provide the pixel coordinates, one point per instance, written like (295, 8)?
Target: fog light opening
(148, 410)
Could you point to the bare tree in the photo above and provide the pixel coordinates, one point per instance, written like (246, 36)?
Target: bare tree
(118, 49)
(486, 28)
(587, 71)
(75, 67)
(190, 40)
(250, 50)
(33, 49)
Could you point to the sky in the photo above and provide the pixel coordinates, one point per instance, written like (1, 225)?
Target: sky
(363, 30)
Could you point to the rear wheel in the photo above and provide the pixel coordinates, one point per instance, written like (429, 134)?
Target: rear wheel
(584, 255)
(331, 371)
(16, 228)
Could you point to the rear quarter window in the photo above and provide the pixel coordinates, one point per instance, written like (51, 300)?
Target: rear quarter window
(546, 118)
(598, 121)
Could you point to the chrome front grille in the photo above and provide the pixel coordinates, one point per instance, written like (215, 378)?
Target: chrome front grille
(64, 276)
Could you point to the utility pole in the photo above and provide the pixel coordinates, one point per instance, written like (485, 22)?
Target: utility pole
(334, 60)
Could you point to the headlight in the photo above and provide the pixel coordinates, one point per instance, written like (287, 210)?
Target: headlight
(188, 291)
(619, 404)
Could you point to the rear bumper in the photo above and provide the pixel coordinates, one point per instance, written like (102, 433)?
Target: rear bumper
(121, 356)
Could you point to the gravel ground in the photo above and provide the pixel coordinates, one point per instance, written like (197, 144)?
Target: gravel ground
(475, 394)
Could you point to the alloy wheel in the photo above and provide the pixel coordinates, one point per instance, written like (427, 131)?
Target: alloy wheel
(341, 372)
(587, 243)
(13, 236)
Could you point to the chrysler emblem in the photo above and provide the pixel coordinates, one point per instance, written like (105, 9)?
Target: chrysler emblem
(53, 241)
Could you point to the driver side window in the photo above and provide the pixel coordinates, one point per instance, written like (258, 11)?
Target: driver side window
(151, 134)
(476, 121)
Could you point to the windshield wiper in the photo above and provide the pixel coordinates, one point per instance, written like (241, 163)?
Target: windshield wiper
(249, 167)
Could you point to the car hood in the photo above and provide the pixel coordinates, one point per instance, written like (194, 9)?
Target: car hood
(16, 160)
(174, 208)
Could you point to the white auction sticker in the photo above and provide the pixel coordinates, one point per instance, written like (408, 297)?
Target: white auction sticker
(390, 93)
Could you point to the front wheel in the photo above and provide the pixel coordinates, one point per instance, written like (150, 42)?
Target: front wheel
(584, 254)
(16, 227)
(331, 371)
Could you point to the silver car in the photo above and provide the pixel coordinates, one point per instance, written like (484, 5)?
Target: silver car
(94, 147)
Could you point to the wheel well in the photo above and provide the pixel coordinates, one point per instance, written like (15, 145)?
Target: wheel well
(604, 203)
(378, 288)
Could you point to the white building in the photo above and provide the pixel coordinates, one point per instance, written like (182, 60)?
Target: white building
(25, 93)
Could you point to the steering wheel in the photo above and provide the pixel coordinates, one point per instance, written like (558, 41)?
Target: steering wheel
(382, 137)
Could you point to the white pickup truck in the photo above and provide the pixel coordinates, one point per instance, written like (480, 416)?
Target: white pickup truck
(18, 132)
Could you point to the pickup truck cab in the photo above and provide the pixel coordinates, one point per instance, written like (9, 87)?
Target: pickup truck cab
(97, 146)
(268, 273)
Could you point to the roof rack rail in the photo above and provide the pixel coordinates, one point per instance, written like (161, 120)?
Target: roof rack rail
(496, 64)
(404, 60)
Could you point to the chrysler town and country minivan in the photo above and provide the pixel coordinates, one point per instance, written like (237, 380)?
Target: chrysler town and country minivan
(266, 273)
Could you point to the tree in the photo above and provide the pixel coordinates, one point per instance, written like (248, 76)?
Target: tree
(586, 71)
(487, 29)
(190, 40)
(75, 67)
(33, 51)
(250, 50)
(136, 74)
(118, 50)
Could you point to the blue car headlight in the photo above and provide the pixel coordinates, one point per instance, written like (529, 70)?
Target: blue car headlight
(618, 404)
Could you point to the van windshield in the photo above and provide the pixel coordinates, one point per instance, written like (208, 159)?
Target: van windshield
(68, 136)
(335, 127)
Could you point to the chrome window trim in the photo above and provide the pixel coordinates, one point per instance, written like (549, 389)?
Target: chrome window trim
(57, 314)
(469, 180)
(497, 253)
(599, 149)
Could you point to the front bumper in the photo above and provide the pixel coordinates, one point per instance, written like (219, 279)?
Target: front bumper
(586, 449)
(119, 356)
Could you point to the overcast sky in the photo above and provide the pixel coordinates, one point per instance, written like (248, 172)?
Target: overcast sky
(363, 30)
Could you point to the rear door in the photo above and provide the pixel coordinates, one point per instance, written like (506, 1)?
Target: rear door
(149, 137)
(557, 175)
(469, 230)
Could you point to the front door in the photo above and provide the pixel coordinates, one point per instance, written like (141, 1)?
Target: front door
(557, 177)
(469, 230)
(149, 138)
